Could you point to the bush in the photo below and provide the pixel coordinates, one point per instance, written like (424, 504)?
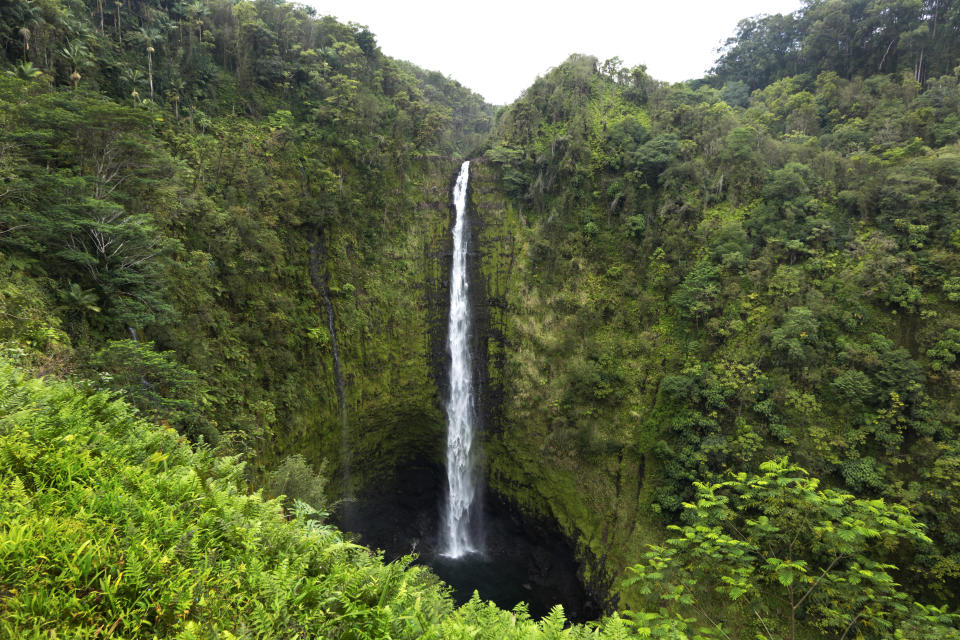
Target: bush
(295, 479)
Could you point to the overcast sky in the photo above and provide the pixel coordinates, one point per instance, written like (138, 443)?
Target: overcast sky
(499, 47)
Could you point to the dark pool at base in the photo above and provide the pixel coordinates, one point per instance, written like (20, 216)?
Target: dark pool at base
(505, 583)
(523, 561)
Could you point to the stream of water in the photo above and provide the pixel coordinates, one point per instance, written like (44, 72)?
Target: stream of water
(458, 534)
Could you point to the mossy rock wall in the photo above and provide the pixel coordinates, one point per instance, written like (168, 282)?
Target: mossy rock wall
(389, 304)
(596, 497)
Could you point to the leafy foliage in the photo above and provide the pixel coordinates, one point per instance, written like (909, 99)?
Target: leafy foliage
(795, 556)
(190, 172)
(295, 479)
(157, 384)
(712, 274)
(113, 524)
(849, 38)
(683, 281)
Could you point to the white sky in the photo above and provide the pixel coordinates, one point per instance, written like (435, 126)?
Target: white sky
(498, 47)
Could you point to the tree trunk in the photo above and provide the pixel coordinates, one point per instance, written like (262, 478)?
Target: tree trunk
(880, 66)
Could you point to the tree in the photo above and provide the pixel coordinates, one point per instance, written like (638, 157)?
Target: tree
(25, 34)
(296, 479)
(77, 54)
(158, 385)
(790, 558)
(696, 297)
(25, 71)
(742, 163)
(131, 77)
(763, 50)
(90, 206)
(797, 336)
(150, 51)
(119, 32)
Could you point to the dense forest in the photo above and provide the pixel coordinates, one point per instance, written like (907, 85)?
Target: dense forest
(179, 181)
(719, 323)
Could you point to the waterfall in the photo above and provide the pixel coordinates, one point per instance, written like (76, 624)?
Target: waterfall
(457, 535)
(321, 284)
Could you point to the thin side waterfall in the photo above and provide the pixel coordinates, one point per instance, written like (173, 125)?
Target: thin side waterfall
(457, 535)
(346, 453)
(320, 283)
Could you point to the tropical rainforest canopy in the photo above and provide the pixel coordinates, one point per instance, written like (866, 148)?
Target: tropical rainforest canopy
(719, 323)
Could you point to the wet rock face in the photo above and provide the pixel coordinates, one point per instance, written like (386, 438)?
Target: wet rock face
(400, 519)
(524, 561)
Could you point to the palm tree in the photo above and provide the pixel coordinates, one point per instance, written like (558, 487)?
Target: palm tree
(329, 56)
(177, 86)
(25, 34)
(150, 36)
(25, 71)
(119, 33)
(150, 51)
(180, 10)
(198, 11)
(78, 56)
(132, 78)
(76, 298)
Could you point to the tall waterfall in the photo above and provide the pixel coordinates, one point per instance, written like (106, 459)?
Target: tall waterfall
(457, 536)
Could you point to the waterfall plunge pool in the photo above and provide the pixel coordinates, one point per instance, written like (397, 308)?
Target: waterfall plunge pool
(523, 561)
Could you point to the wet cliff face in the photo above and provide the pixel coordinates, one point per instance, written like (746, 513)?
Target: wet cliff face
(396, 379)
(493, 258)
(595, 495)
(526, 558)
(387, 293)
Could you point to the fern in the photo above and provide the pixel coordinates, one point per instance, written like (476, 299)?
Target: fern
(110, 524)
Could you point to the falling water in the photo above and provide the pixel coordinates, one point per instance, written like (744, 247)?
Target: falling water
(321, 284)
(457, 535)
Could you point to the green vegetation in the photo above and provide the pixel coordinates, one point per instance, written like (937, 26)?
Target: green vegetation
(115, 525)
(703, 280)
(779, 547)
(112, 526)
(682, 287)
(850, 38)
(215, 169)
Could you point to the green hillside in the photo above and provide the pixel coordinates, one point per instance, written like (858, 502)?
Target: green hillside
(114, 527)
(717, 323)
(704, 286)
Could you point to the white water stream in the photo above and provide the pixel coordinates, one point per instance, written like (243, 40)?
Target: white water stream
(457, 535)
